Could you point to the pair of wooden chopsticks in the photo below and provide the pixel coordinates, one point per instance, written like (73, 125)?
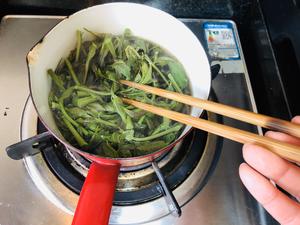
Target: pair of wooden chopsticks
(288, 151)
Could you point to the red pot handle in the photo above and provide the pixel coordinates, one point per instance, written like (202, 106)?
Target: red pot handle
(97, 195)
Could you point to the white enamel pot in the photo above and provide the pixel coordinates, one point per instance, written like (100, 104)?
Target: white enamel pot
(149, 23)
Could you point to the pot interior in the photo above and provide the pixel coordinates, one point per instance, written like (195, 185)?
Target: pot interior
(146, 22)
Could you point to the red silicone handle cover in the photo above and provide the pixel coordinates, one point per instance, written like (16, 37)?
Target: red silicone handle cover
(97, 195)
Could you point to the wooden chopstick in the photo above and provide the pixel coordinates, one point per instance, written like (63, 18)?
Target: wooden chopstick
(285, 150)
(225, 110)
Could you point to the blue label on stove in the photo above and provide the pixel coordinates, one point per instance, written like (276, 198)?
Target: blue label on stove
(221, 40)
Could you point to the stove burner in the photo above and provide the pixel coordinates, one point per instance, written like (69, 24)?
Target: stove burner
(55, 173)
(136, 186)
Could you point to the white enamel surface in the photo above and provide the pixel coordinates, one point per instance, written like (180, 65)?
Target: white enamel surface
(144, 21)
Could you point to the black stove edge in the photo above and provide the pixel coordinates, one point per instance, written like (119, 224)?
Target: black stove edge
(269, 91)
(282, 20)
(222, 9)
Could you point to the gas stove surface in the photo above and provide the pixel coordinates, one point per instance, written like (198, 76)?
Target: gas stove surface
(31, 192)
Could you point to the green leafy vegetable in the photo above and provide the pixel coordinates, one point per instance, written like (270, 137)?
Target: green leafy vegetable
(78, 44)
(176, 70)
(92, 51)
(71, 71)
(56, 79)
(122, 68)
(85, 96)
(106, 48)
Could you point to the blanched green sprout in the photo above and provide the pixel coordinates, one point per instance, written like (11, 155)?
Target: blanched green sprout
(85, 95)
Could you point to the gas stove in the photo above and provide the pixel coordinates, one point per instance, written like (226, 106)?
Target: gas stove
(202, 170)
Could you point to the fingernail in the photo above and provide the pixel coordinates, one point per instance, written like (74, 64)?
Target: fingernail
(246, 146)
(269, 133)
(245, 175)
(296, 119)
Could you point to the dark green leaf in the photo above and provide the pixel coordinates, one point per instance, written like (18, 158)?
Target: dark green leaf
(118, 105)
(121, 68)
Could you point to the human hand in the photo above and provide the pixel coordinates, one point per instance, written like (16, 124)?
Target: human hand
(262, 165)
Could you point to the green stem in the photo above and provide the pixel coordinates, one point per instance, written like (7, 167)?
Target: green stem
(73, 75)
(78, 45)
(92, 33)
(73, 122)
(91, 91)
(130, 48)
(82, 94)
(82, 102)
(154, 145)
(174, 83)
(129, 124)
(157, 70)
(141, 120)
(58, 82)
(91, 54)
(151, 137)
(67, 93)
(106, 123)
(76, 135)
